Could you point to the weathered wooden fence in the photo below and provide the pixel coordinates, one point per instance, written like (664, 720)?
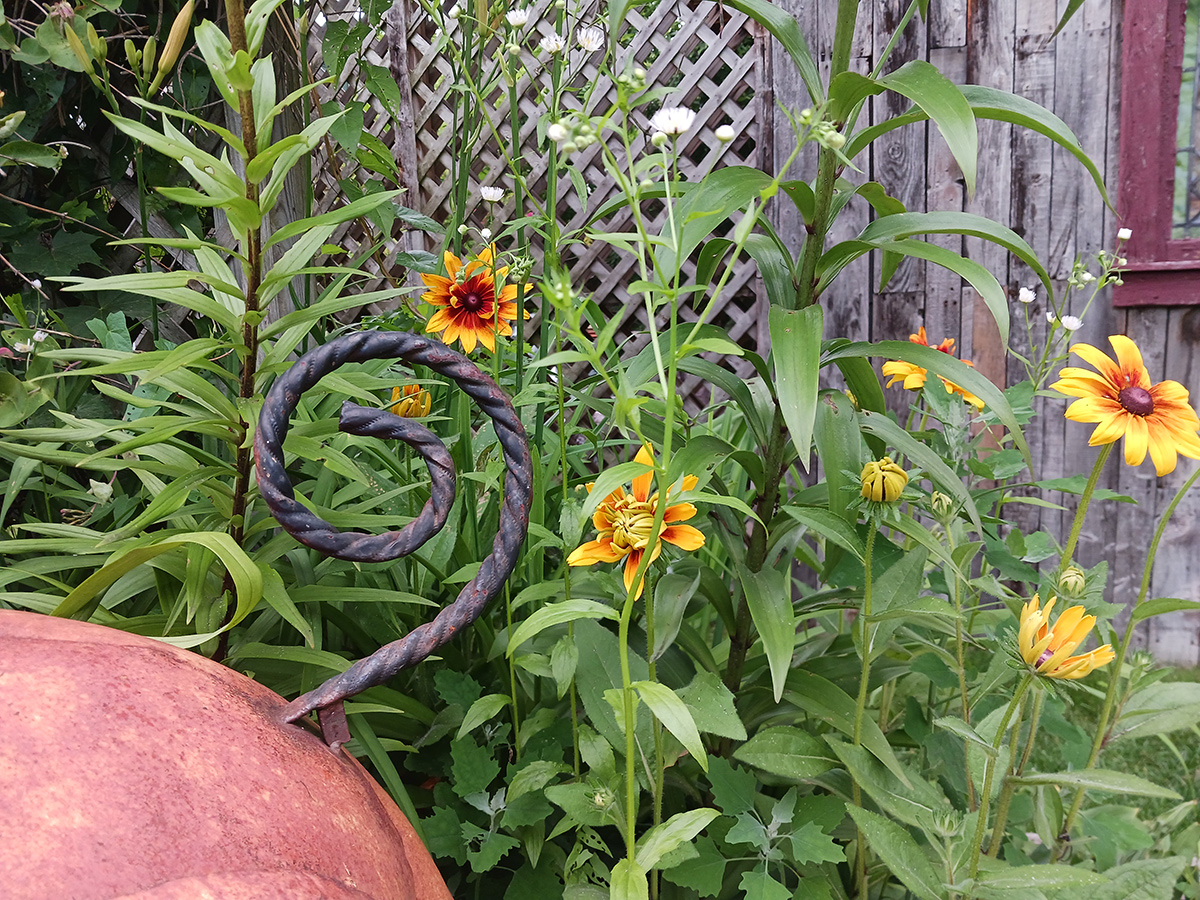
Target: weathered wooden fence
(716, 56)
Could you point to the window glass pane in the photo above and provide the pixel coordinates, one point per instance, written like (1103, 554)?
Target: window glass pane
(1186, 218)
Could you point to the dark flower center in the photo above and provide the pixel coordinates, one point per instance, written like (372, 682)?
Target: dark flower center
(1136, 400)
(473, 301)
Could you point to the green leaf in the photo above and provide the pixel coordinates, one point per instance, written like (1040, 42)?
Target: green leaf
(914, 803)
(1159, 708)
(1142, 879)
(1101, 780)
(557, 614)
(757, 884)
(705, 874)
(675, 717)
(795, 354)
(1029, 878)
(786, 752)
(900, 853)
(828, 525)
(671, 596)
(712, 706)
(945, 478)
(827, 702)
(629, 882)
(811, 845)
(472, 768)
(666, 836)
(786, 30)
(481, 710)
(718, 196)
(1161, 605)
(943, 101)
(961, 729)
(733, 789)
(611, 479)
(949, 367)
(770, 603)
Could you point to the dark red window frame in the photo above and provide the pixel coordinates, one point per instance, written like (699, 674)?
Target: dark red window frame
(1161, 271)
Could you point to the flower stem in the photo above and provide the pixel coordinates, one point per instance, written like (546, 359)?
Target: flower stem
(1009, 786)
(1114, 680)
(1080, 512)
(989, 773)
(860, 858)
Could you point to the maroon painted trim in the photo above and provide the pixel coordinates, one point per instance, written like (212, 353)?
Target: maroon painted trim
(1161, 271)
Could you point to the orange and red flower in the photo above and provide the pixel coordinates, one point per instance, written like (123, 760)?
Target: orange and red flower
(913, 376)
(624, 523)
(468, 308)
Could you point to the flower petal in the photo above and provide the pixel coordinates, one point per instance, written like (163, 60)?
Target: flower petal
(685, 537)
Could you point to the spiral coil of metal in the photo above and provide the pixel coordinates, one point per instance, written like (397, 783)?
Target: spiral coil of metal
(312, 531)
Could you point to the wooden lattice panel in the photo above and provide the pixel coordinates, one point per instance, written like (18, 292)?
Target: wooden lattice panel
(712, 57)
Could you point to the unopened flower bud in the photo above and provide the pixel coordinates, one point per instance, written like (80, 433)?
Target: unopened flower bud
(883, 480)
(557, 132)
(659, 138)
(1072, 582)
(463, 229)
(943, 504)
(101, 490)
(725, 133)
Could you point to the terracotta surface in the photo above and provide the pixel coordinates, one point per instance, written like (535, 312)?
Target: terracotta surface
(131, 769)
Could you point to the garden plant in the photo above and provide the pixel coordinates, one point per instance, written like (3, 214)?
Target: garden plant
(785, 646)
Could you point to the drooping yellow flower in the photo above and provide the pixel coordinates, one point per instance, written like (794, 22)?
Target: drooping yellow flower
(624, 521)
(469, 311)
(414, 402)
(1048, 648)
(913, 376)
(883, 480)
(1122, 402)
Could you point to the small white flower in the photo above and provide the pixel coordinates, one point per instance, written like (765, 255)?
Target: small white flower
(1051, 318)
(556, 132)
(454, 12)
(39, 336)
(36, 284)
(1124, 234)
(23, 346)
(485, 233)
(590, 38)
(517, 17)
(491, 194)
(673, 119)
(1121, 261)
(725, 134)
(101, 490)
(1071, 323)
(554, 43)
(1025, 295)
(1087, 278)
(1033, 837)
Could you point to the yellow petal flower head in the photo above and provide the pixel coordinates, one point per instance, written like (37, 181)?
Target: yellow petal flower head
(913, 376)
(1120, 400)
(1048, 648)
(468, 308)
(414, 402)
(883, 480)
(624, 521)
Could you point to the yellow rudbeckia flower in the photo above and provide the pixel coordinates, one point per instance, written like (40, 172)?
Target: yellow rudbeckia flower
(1048, 647)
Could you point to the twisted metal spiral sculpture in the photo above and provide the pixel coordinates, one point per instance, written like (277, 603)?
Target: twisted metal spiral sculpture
(312, 531)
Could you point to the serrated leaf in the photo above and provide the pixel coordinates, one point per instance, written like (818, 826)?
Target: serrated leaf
(472, 768)
(811, 845)
(758, 884)
(733, 789)
(705, 874)
(713, 707)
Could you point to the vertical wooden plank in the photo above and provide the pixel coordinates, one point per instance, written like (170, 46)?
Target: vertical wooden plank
(990, 37)
(944, 190)
(1175, 637)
